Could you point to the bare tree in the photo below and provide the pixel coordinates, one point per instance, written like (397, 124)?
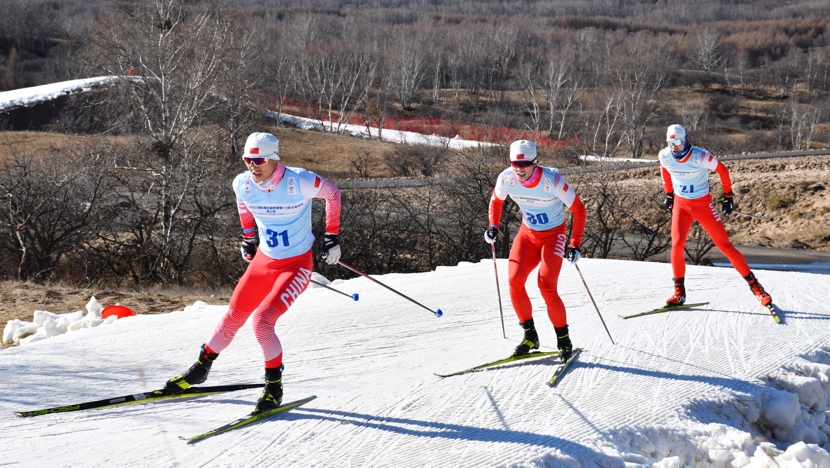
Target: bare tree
(708, 53)
(803, 121)
(530, 81)
(177, 51)
(407, 68)
(641, 81)
(556, 77)
(742, 64)
(51, 205)
(334, 74)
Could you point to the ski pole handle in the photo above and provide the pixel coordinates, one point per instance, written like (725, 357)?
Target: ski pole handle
(437, 312)
(353, 296)
(751, 215)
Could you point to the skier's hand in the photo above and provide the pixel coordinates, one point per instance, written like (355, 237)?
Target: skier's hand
(573, 254)
(728, 204)
(669, 201)
(332, 247)
(248, 248)
(491, 233)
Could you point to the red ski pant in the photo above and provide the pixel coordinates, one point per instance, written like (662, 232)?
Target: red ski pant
(529, 249)
(703, 210)
(267, 290)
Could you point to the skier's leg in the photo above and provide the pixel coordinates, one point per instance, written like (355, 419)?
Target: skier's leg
(292, 279)
(251, 290)
(524, 257)
(553, 250)
(681, 221)
(708, 217)
(252, 287)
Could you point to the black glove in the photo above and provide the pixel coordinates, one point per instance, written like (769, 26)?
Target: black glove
(248, 248)
(332, 247)
(491, 233)
(669, 201)
(573, 254)
(728, 204)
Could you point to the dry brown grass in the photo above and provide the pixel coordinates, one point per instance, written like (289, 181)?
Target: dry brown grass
(21, 300)
(324, 153)
(327, 154)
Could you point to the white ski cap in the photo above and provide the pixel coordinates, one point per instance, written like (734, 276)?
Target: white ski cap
(262, 145)
(676, 131)
(522, 150)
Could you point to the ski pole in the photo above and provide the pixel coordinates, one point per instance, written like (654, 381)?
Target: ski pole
(353, 296)
(595, 304)
(498, 290)
(751, 215)
(437, 312)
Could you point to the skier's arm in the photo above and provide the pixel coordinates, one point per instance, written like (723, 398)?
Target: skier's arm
(710, 162)
(246, 219)
(667, 185)
(566, 193)
(314, 186)
(497, 201)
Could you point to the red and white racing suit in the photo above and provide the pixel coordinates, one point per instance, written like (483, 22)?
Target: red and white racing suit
(270, 285)
(690, 204)
(542, 236)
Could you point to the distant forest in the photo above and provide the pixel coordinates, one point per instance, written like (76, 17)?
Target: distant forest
(743, 75)
(143, 197)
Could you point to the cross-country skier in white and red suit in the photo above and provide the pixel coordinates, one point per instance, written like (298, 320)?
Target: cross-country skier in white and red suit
(540, 193)
(685, 171)
(274, 200)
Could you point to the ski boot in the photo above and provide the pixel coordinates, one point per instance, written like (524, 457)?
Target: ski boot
(563, 342)
(758, 290)
(530, 340)
(195, 375)
(679, 293)
(271, 397)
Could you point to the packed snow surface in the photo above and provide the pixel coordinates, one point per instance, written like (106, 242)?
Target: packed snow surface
(35, 94)
(722, 385)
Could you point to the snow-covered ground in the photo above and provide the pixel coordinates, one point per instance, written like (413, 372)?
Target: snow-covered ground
(723, 385)
(35, 94)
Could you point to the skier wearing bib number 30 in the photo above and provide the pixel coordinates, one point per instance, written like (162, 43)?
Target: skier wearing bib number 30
(540, 193)
(276, 201)
(685, 171)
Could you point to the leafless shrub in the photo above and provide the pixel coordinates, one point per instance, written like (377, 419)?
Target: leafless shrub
(412, 160)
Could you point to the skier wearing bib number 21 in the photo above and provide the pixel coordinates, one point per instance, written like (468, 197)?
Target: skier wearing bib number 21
(540, 193)
(685, 171)
(276, 201)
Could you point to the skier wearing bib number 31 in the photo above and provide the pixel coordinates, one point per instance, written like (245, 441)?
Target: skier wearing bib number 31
(276, 201)
(540, 193)
(685, 171)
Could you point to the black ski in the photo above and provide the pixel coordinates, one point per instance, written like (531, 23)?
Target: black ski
(663, 309)
(520, 357)
(562, 368)
(247, 420)
(773, 311)
(139, 398)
